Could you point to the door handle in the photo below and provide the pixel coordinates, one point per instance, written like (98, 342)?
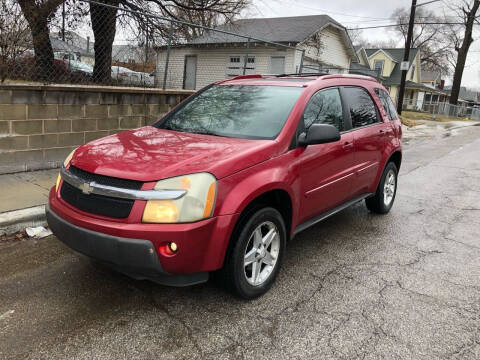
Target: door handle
(347, 145)
(382, 132)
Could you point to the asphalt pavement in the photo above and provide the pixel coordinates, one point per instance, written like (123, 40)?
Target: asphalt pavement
(400, 286)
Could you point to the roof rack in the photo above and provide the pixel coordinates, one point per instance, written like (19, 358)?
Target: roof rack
(249, 76)
(303, 74)
(353, 76)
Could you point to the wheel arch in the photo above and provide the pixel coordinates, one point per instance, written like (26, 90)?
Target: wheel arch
(396, 158)
(277, 198)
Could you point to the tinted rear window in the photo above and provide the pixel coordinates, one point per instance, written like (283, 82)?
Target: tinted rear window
(362, 108)
(243, 111)
(387, 104)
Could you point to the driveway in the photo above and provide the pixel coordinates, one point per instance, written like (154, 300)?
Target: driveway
(401, 286)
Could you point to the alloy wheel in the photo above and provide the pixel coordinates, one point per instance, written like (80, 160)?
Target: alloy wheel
(389, 188)
(261, 253)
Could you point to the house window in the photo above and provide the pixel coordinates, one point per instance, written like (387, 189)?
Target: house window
(378, 66)
(235, 65)
(413, 72)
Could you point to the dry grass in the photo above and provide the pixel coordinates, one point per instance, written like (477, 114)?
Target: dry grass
(415, 115)
(409, 122)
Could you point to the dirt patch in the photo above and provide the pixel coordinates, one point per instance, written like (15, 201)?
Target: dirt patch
(17, 237)
(409, 122)
(416, 115)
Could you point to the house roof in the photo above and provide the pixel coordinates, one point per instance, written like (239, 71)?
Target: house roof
(363, 70)
(292, 29)
(375, 51)
(361, 50)
(419, 86)
(397, 56)
(60, 45)
(285, 30)
(430, 75)
(465, 94)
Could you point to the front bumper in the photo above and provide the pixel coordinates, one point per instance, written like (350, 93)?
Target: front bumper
(136, 258)
(201, 245)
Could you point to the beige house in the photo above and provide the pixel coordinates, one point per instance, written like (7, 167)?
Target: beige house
(216, 56)
(387, 63)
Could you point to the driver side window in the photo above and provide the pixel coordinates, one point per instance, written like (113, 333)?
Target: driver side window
(325, 107)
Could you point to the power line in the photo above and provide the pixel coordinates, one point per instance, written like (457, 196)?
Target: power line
(427, 2)
(420, 18)
(403, 24)
(338, 13)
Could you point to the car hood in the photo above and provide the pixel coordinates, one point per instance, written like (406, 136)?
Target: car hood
(150, 154)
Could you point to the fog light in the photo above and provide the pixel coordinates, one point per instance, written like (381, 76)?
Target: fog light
(168, 249)
(172, 247)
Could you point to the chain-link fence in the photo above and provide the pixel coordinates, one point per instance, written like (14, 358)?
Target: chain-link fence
(114, 45)
(118, 46)
(104, 48)
(449, 110)
(443, 109)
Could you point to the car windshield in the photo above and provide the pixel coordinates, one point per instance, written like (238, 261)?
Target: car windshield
(77, 65)
(240, 111)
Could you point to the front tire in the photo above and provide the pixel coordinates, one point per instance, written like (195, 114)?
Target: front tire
(253, 264)
(382, 201)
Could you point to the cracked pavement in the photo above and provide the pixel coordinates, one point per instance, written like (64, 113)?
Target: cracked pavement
(401, 286)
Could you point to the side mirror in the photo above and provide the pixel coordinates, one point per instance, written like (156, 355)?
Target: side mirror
(319, 134)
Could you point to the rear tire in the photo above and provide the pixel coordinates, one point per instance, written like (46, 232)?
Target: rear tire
(382, 201)
(256, 256)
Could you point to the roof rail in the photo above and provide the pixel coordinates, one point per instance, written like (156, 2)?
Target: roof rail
(252, 76)
(354, 76)
(303, 74)
(240, 77)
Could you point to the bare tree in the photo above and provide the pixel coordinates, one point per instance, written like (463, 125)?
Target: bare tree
(377, 44)
(467, 10)
(209, 13)
(356, 35)
(435, 49)
(104, 20)
(14, 36)
(38, 14)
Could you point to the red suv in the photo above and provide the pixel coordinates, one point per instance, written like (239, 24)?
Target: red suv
(226, 178)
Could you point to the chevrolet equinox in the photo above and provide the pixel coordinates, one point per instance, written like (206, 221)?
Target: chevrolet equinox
(220, 183)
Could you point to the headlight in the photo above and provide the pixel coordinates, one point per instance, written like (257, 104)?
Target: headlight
(57, 184)
(195, 205)
(69, 158)
(65, 164)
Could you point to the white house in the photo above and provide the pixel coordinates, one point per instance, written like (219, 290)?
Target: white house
(216, 56)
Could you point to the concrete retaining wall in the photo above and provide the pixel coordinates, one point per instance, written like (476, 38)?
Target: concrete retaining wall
(40, 125)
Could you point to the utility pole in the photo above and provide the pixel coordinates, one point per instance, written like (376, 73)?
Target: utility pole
(146, 42)
(406, 56)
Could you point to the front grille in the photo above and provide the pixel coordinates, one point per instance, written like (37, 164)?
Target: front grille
(99, 204)
(105, 180)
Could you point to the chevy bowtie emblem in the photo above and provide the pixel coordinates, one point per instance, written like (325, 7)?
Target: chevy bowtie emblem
(86, 188)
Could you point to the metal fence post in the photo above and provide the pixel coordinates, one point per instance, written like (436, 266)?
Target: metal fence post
(169, 43)
(146, 43)
(245, 61)
(301, 61)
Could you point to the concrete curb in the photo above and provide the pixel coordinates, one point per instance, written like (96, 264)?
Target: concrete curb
(464, 126)
(13, 221)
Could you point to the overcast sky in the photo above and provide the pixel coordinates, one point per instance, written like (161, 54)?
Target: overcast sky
(351, 13)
